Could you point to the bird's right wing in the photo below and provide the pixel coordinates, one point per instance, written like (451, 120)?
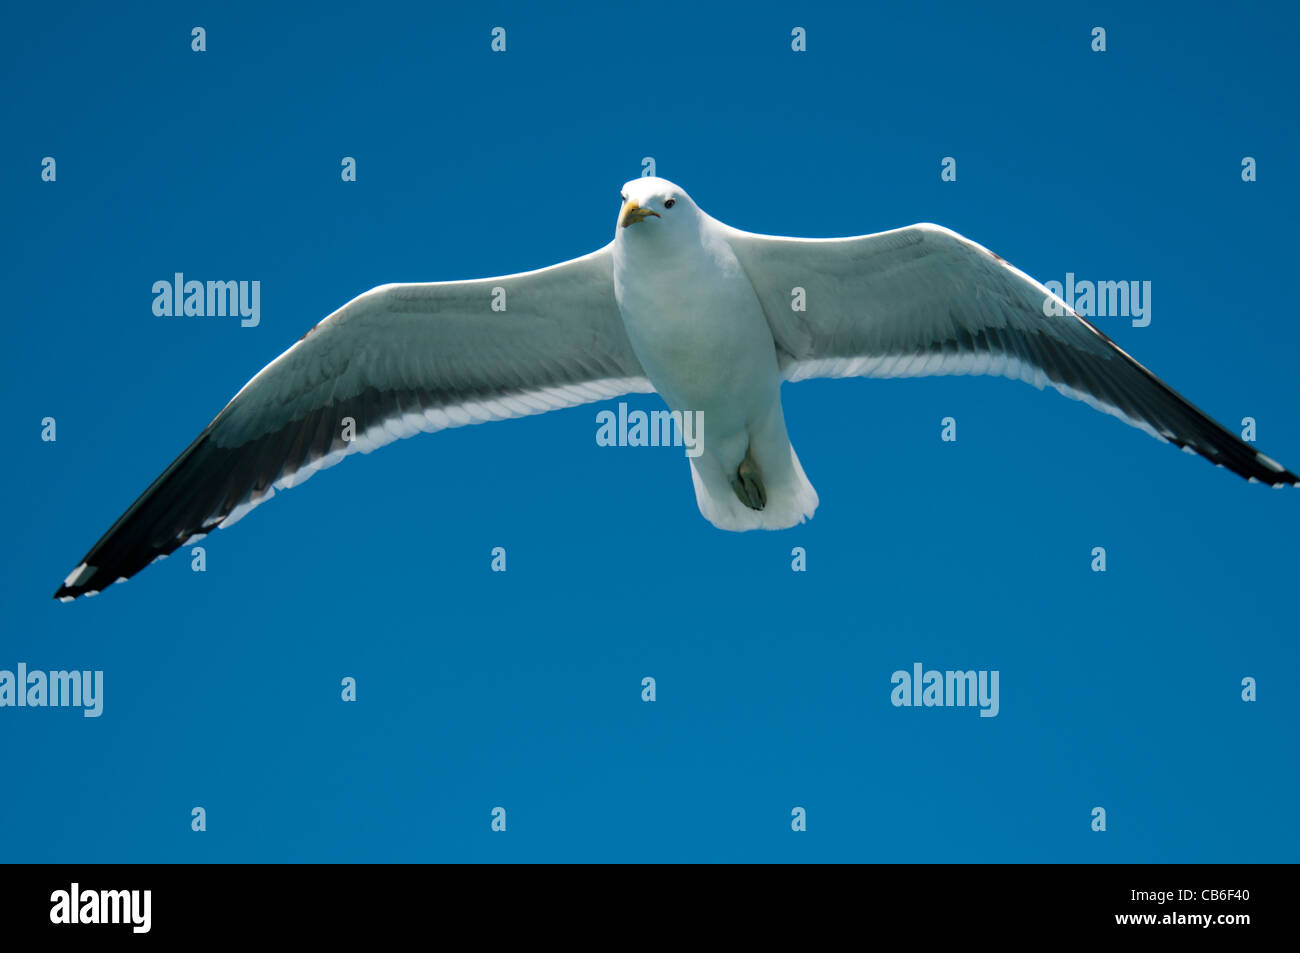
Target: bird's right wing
(923, 300)
(397, 360)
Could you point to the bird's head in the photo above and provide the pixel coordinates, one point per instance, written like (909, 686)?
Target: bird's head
(656, 209)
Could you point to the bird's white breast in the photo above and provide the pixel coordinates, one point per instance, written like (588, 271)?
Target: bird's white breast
(694, 321)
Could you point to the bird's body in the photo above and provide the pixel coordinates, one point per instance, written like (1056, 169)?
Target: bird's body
(712, 318)
(699, 331)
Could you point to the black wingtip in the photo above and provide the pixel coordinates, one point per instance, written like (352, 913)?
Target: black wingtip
(82, 581)
(1273, 473)
(66, 593)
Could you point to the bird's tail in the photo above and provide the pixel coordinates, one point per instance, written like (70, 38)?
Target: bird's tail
(786, 496)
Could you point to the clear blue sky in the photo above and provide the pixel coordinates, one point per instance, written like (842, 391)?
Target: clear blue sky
(522, 690)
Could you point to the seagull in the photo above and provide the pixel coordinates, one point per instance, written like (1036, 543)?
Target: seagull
(711, 318)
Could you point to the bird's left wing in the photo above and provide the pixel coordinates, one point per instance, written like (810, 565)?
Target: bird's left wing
(923, 300)
(398, 360)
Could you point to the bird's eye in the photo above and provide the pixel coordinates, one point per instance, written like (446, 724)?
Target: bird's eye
(670, 203)
(624, 196)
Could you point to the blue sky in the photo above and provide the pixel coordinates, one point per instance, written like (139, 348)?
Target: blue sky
(522, 689)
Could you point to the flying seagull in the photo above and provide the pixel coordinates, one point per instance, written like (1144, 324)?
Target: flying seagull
(680, 304)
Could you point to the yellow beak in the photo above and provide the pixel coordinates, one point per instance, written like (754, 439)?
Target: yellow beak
(632, 213)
